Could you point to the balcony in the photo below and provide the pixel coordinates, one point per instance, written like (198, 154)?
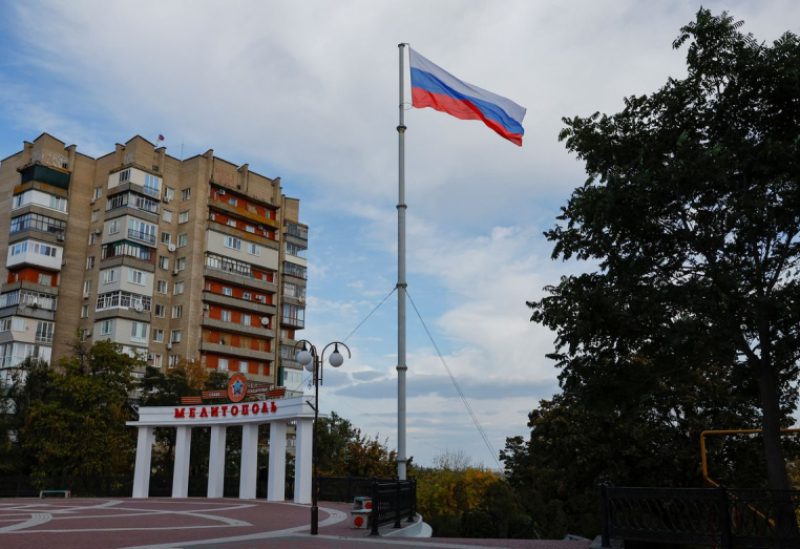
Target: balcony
(141, 236)
(241, 211)
(248, 354)
(295, 270)
(230, 301)
(135, 204)
(36, 253)
(45, 174)
(132, 251)
(297, 231)
(39, 223)
(293, 321)
(255, 331)
(288, 354)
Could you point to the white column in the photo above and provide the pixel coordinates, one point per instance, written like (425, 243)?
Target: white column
(144, 450)
(276, 483)
(303, 453)
(216, 462)
(249, 470)
(180, 475)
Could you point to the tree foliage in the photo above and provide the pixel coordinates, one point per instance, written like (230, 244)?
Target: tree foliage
(470, 502)
(345, 451)
(69, 421)
(691, 211)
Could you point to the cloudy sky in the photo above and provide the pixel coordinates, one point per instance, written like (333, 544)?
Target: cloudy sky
(308, 91)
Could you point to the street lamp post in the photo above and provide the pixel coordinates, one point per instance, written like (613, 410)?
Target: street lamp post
(313, 362)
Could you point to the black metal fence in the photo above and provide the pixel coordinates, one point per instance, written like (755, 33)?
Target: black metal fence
(25, 486)
(699, 516)
(391, 502)
(345, 489)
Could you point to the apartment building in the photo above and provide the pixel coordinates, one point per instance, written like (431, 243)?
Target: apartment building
(195, 259)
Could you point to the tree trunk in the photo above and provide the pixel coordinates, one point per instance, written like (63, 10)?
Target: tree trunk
(777, 477)
(785, 532)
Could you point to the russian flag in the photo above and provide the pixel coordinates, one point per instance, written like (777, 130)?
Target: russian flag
(432, 86)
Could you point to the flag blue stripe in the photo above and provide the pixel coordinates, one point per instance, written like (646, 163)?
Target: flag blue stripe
(426, 81)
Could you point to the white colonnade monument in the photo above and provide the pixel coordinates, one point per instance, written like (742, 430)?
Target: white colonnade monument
(278, 413)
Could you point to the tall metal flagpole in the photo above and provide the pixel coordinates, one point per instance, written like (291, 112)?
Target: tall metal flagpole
(401, 280)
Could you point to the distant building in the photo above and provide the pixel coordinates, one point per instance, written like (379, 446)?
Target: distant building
(195, 259)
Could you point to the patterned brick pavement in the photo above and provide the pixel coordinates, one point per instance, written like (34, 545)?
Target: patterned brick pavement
(201, 523)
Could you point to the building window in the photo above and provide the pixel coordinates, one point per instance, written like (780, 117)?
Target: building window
(246, 320)
(295, 250)
(123, 300)
(139, 331)
(222, 364)
(167, 216)
(45, 279)
(19, 248)
(253, 249)
(44, 331)
(233, 243)
(177, 311)
(158, 335)
(159, 310)
(108, 276)
(157, 360)
(98, 192)
(152, 184)
(227, 291)
(186, 193)
(137, 277)
(231, 223)
(106, 327)
(113, 227)
(90, 262)
(233, 201)
(175, 336)
(169, 194)
(247, 296)
(178, 288)
(161, 286)
(180, 264)
(166, 238)
(183, 240)
(183, 217)
(163, 262)
(87, 288)
(125, 175)
(84, 311)
(92, 238)
(95, 215)
(225, 316)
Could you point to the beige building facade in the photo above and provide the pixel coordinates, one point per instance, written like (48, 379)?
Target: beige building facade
(174, 260)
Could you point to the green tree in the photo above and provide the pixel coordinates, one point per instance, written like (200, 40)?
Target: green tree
(73, 416)
(635, 423)
(30, 383)
(345, 451)
(691, 211)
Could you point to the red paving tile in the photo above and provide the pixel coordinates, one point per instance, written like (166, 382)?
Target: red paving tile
(218, 523)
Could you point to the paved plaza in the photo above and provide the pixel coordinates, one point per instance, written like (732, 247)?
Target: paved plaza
(87, 523)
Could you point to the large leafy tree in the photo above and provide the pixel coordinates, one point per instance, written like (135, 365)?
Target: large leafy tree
(691, 211)
(69, 421)
(633, 423)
